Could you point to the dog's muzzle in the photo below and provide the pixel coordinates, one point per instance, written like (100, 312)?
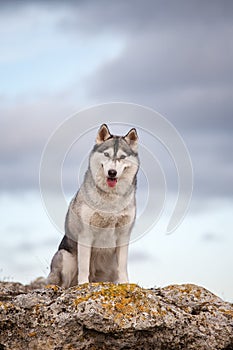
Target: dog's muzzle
(111, 179)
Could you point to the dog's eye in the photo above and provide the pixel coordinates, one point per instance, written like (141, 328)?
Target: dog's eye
(106, 154)
(122, 156)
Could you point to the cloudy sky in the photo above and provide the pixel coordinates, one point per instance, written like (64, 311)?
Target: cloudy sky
(176, 57)
(173, 56)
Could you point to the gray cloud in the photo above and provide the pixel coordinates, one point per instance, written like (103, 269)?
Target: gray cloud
(132, 17)
(25, 129)
(184, 70)
(212, 237)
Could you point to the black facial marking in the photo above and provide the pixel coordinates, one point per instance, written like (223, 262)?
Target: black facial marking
(116, 147)
(101, 148)
(116, 142)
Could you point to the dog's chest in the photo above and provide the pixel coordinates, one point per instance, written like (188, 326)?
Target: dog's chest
(106, 220)
(97, 218)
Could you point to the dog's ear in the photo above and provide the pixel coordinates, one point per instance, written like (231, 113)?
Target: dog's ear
(103, 134)
(132, 139)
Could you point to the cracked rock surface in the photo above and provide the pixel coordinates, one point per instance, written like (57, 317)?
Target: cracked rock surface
(108, 316)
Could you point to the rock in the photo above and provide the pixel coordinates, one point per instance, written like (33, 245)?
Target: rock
(108, 316)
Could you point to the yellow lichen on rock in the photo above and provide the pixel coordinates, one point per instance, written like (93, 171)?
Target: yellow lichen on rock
(32, 334)
(5, 305)
(123, 302)
(54, 287)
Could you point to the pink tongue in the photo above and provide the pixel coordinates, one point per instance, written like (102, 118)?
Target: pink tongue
(111, 182)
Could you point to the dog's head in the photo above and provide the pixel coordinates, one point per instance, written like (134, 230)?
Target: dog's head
(114, 160)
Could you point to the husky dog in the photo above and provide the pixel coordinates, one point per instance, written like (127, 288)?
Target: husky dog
(100, 216)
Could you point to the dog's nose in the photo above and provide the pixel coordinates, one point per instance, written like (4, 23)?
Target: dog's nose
(112, 173)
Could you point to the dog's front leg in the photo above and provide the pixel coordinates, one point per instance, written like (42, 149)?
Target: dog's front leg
(122, 258)
(84, 256)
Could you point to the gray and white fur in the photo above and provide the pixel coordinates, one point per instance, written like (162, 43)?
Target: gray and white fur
(100, 216)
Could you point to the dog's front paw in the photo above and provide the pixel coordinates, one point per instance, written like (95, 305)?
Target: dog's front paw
(123, 279)
(83, 281)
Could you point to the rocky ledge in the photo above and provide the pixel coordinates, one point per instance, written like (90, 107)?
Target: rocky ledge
(107, 316)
